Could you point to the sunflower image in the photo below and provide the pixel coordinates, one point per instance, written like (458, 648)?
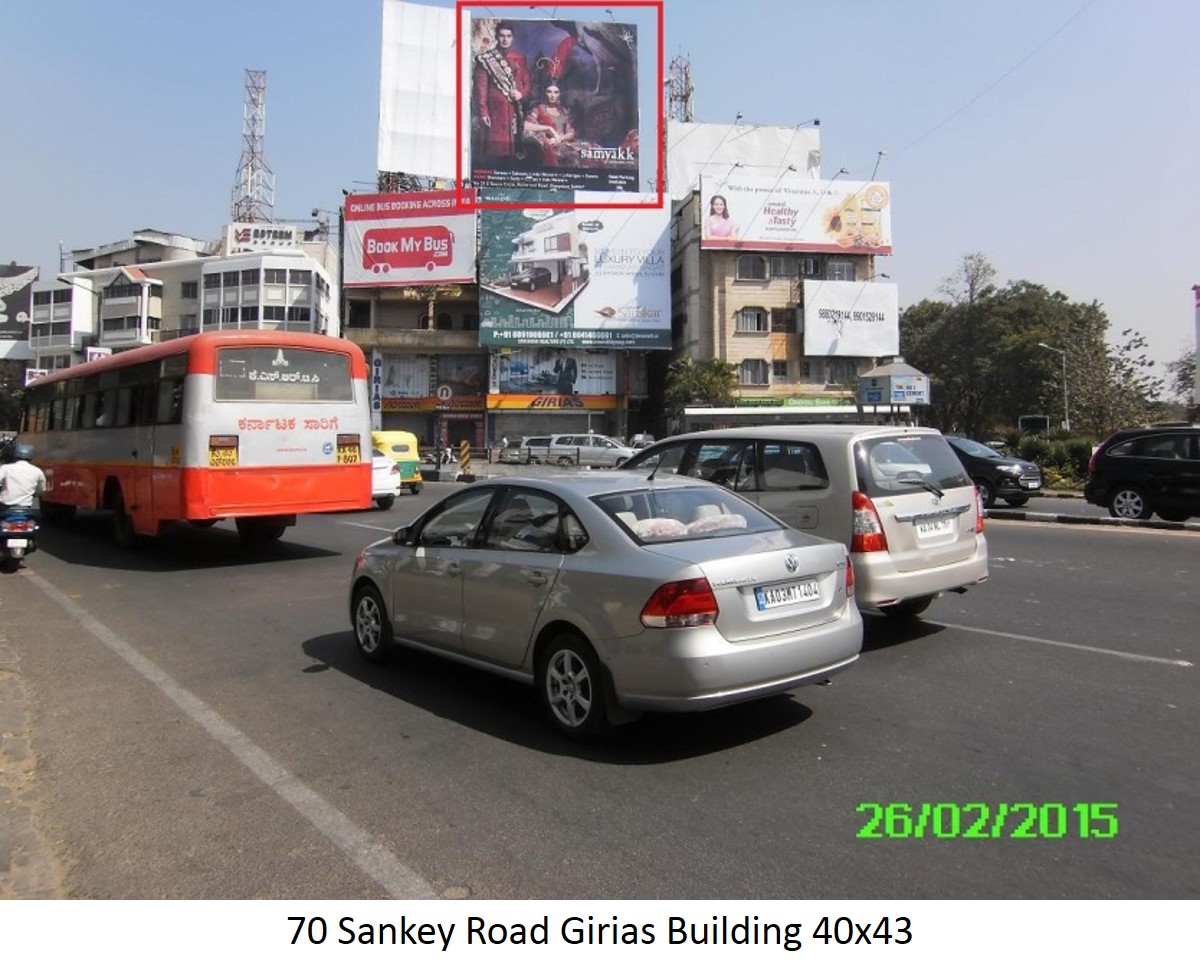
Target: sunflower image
(835, 221)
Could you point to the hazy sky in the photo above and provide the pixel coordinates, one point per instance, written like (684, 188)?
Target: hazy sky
(1058, 137)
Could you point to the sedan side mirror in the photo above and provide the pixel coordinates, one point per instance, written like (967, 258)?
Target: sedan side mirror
(403, 535)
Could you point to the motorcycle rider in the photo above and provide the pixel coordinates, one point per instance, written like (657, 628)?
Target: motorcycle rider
(20, 481)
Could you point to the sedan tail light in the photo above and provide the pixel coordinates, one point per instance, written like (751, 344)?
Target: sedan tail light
(867, 533)
(849, 578)
(687, 603)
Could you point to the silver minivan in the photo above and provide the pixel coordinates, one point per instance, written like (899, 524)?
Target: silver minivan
(897, 497)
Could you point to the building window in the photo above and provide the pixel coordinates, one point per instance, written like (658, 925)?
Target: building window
(156, 290)
(41, 299)
(295, 313)
(779, 370)
(841, 371)
(840, 270)
(189, 290)
(276, 276)
(187, 323)
(753, 371)
(60, 328)
(121, 289)
(274, 313)
(229, 314)
(751, 267)
(212, 280)
(783, 266)
(752, 319)
(783, 320)
(806, 370)
(249, 314)
(249, 277)
(210, 317)
(62, 295)
(300, 277)
(809, 266)
(153, 324)
(111, 323)
(229, 278)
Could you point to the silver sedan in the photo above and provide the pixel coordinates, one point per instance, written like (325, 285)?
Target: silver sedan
(612, 593)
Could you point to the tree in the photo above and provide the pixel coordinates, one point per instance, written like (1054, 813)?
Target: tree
(706, 382)
(1181, 376)
(986, 367)
(11, 390)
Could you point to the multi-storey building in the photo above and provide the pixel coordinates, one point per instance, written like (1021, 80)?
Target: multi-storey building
(156, 285)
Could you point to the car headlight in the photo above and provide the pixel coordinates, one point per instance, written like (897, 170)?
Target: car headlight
(1009, 467)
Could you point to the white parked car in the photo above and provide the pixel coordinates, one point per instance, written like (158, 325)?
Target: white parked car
(385, 479)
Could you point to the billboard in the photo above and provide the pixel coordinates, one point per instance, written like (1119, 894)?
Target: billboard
(408, 239)
(851, 319)
(417, 90)
(553, 104)
(718, 148)
(553, 371)
(16, 290)
(575, 278)
(789, 213)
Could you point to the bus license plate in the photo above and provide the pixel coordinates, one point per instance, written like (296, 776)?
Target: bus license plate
(222, 456)
(787, 595)
(348, 454)
(932, 529)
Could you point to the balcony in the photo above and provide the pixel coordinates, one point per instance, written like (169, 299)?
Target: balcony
(392, 338)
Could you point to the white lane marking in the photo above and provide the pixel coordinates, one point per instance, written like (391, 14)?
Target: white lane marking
(1062, 643)
(372, 527)
(378, 863)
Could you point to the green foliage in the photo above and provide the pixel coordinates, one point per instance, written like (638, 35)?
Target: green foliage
(1181, 376)
(1059, 458)
(11, 392)
(983, 354)
(692, 382)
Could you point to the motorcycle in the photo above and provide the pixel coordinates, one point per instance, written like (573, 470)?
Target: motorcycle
(18, 537)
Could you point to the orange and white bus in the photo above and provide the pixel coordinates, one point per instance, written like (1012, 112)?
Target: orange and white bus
(254, 425)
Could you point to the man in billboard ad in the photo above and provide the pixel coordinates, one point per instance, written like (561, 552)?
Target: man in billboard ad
(786, 212)
(553, 104)
(555, 371)
(409, 239)
(588, 277)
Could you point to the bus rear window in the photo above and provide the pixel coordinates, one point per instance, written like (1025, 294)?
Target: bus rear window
(282, 374)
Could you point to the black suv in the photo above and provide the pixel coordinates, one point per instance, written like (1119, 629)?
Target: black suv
(1140, 472)
(1012, 480)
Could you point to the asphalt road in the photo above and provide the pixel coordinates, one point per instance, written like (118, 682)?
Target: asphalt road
(188, 722)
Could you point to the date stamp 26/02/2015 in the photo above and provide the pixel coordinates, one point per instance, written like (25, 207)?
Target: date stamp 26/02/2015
(988, 821)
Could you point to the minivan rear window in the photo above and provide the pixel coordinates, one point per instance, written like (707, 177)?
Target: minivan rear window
(894, 465)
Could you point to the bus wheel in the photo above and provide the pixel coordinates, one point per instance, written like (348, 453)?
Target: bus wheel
(259, 530)
(122, 523)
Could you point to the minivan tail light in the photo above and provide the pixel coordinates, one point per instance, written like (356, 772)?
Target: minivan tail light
(687, 603)
(867, 529)
(978, 511)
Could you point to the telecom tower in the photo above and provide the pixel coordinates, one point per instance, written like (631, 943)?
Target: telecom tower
(679, 89)
(254, 189)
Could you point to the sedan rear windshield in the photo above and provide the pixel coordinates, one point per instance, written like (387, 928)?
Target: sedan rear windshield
(654, 515)
(890, 466)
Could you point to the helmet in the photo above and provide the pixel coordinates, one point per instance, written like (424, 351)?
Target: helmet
(23, 452)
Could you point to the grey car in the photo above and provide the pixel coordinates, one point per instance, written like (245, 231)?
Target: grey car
(612, 594)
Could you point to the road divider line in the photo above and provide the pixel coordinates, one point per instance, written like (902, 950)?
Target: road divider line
(374, 860)
(1069, 646)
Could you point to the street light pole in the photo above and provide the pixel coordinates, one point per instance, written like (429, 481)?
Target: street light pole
(1066, 408)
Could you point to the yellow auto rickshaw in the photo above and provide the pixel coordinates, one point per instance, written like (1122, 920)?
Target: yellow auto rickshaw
(402, 447)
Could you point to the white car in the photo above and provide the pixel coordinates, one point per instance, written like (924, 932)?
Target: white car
(385, 479)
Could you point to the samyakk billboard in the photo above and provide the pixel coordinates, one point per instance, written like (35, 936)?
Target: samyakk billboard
(408, 239)
(787, 213)
(553, 104)
(594, 277)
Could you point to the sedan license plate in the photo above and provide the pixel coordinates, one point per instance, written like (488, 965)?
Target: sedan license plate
(770, 597)
(935, 528)
(17, 542)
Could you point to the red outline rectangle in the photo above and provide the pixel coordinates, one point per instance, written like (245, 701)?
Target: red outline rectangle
(479, 205)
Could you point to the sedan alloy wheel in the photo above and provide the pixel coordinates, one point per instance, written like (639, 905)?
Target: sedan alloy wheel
(571, 687)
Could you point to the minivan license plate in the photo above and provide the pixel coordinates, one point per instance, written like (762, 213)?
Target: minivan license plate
(769, 597)
(931, 529)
